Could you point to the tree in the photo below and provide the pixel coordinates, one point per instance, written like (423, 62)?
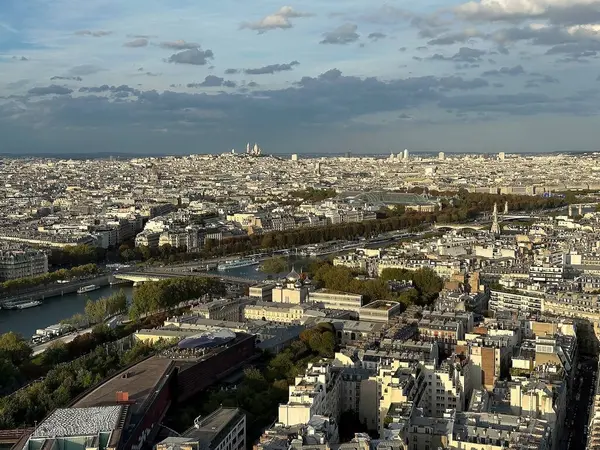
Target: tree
(274, 265)
(14, 348)
(56, 353)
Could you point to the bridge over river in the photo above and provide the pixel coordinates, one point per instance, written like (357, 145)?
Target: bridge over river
(156, 275)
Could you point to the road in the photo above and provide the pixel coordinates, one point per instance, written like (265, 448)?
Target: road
(65, 338)
(579, 406)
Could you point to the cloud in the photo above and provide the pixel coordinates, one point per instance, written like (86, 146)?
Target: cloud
(66, 78)
(49, 90)
(139, 42)
(195, 56)
(123, 90)
(17, 84)
(231, 71)
(344, 34)
(179, 45)
(279, 20)
(85, 69)
(345, 111)
(98, 33)
(21, 58)
(212, 81)
(512, 71)
(556, 11)
(271, 68)
(330, 98)
(546, 79)
(464, 54)
(458, 37)
(377, 36)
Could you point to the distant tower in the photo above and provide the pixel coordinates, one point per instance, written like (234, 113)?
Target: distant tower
(405, 153)
(248, 148)
(501, 156)
(441, 156)
(505, 207)
(318, 168)
(400, 155)
(295, 157)
(495, 229)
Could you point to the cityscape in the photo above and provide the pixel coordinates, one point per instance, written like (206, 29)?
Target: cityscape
(250, 300)
(317, 225)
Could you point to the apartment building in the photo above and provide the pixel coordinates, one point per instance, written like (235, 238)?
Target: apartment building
(316, 392)
(220, 309)
(469, 430)
(397, 383)
(515, 301)
(22, 263)
(448, 386)
(275, 312)
(541, 398)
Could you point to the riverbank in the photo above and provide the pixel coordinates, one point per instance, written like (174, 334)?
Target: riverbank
(57, 290)
(54, 309)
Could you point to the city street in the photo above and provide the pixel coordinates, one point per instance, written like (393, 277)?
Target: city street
(579, 406)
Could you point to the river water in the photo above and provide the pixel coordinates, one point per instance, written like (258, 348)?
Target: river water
(55, 309)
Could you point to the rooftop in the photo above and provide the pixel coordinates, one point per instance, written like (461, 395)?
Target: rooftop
(139, 382)
(206, 430)
(79, 422)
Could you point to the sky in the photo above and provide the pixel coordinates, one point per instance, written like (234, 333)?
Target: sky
(317, 76)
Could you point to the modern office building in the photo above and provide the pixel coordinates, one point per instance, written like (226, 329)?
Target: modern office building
(337, 300)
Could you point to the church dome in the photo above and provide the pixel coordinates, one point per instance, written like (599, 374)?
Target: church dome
(293, 276)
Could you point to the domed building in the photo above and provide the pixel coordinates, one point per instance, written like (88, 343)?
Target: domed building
(292, 290)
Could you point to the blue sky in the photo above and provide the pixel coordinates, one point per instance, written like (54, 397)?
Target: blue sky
(185, 76)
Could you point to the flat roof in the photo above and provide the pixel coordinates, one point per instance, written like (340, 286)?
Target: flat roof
(139, 383)
(381, 305)
(210, 427)
(79, 422)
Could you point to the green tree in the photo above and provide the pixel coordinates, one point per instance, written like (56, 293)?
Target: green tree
(274, 265)
(14, 348)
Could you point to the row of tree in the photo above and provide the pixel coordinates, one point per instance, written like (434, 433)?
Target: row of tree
(96, 311)
(76, 255)
(12, 286)
(19, 367)
(64, 382)
(457, 207)
(167, 294)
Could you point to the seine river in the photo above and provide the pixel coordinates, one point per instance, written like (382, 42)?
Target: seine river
(55, 309)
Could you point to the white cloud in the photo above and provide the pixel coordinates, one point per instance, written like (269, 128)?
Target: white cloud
(278, 20)
(515, 9)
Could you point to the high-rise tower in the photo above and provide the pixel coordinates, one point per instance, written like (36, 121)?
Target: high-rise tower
(505, 207)
(495, 229)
